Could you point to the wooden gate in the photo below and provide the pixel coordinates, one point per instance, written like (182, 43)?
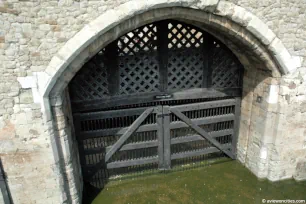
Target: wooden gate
(162, 95)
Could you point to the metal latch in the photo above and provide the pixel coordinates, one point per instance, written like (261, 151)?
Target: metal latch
(163, 115)
(163, 96)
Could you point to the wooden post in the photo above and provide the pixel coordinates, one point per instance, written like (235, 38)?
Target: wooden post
(207, 60)
(162, 49)
(112, 66)
(167, 138)
(80, 140)
(160, 133)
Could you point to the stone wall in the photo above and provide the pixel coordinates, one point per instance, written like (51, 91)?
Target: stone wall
(32, 32)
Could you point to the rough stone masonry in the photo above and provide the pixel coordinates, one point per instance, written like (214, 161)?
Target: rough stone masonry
(43, 43)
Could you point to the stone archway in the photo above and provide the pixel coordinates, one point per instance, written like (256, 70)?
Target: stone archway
(263, 55)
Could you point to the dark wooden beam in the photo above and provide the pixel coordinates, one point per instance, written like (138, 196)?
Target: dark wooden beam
(162, 48)
(112, 66)
(207, 60)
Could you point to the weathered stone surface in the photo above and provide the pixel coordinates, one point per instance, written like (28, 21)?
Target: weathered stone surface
(41, 40)
(261, 30)
(26, 97)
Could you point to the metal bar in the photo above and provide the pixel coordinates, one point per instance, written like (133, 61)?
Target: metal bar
(160, 134)
(194, 138)
(202, 121)
(198, 152)
(167, 138)
(236, 126)
(3, 186)
(128, 133)
(116, 131)
(201, 132)
(204, 105)
(134, 162)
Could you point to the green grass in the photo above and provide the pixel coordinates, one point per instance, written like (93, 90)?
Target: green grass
(223, 182)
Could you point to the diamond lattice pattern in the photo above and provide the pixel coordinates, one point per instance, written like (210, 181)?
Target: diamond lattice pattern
(183, 36)
(138, 40)
(90, 82)
(226, 71)
(138, 73)
(185, 69)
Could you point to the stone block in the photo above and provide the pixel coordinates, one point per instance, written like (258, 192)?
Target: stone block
(225, 8)
(261, 30)
(283, 57)
(241, 16)
(20, 119)
(26, 97)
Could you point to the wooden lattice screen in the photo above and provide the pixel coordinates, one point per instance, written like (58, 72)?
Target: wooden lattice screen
(162, 57)
(164, 95)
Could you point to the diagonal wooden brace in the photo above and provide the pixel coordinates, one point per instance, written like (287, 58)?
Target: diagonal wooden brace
(128, 133)
(202, 132)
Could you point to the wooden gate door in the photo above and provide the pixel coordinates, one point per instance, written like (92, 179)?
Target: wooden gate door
(194, 130)
(155, 136)
(111, 142)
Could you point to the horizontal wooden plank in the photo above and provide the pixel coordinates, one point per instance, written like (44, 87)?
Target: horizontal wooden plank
(139, 98)
(153, 127)
(202, 121)
(111, 114)
(134, 162)
(154, 143)
(204, 105)
(113, 101)
(201, 131)
(137, 145)
(115, 131)
(194, 138)
(131, 146)
(197, 93)
(198, 152)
